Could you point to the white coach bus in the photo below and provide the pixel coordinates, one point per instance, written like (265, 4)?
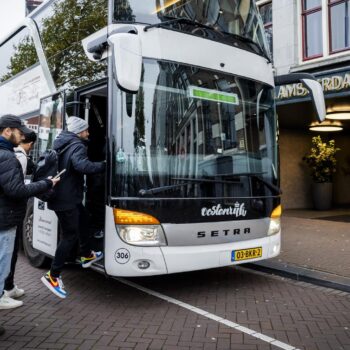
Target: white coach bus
(179, 96)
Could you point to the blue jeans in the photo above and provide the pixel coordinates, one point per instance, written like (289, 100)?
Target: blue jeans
(7, 242)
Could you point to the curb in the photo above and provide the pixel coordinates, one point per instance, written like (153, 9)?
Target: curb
(298, 273)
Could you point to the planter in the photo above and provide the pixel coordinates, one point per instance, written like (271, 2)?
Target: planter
(322, 194)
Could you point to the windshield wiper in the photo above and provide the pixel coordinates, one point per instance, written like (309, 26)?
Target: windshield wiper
(179, 20)
(156, 190)
(257, 176)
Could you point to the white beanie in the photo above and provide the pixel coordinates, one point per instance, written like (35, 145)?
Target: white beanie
(76, 125)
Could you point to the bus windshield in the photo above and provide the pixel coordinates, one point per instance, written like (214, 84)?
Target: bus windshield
(191, 132)
(228, 21)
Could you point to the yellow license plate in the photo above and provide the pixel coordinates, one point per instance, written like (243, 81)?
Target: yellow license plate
(246, 254)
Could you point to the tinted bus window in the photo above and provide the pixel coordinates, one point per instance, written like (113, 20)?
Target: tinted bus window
(17, 54)
(62, 25)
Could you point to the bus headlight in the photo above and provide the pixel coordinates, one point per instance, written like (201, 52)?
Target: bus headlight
(139, 228)
(275, 222)
(142, 235)
(275, 227)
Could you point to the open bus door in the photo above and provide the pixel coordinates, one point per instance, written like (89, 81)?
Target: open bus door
(40, 226)
(92, 104)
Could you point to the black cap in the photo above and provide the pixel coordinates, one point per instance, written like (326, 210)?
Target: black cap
(12, 121)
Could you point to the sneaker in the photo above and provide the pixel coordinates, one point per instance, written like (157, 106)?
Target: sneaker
(89, 260)
(9, 303)
(54, 284)
(2, 330)
(99, 234)
(15, 292)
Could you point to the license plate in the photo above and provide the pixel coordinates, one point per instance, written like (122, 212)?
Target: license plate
(246, 254)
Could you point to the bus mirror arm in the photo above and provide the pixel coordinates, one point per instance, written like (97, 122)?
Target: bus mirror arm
(97, 44)
(312, 85)
(127, 57)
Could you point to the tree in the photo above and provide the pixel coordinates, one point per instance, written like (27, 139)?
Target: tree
(24, 57)
(61, 34)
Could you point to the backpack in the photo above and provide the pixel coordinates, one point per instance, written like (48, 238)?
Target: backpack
(48, 165)
(30, 163)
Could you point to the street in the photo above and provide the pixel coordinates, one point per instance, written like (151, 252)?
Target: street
(226, 308)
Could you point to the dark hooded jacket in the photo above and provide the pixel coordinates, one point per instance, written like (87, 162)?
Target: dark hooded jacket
(13, 192)
(70, 190)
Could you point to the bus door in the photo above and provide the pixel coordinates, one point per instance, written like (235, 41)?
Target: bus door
(93, 108)
(45, 223)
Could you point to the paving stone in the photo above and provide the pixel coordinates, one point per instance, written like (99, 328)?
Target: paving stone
(104, 314)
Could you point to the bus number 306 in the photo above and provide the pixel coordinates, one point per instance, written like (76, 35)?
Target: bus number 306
(122, 256)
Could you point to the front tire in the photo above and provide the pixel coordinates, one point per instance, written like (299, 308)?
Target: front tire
(35, 258)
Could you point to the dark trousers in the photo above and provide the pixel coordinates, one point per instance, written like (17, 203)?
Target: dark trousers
(74, 227)
(9, 282)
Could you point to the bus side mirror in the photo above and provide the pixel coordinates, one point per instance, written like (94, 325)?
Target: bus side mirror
(317, 97)
(127, 57)
(312, 85)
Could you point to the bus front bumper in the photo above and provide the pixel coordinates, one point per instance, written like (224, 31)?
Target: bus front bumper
(180, 259)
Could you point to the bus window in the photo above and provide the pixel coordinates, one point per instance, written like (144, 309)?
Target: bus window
(50, 123)
(193, 124)
(17, 54)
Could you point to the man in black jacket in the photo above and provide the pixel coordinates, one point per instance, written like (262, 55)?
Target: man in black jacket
(67, 202)
(11, 291)
(13, 192)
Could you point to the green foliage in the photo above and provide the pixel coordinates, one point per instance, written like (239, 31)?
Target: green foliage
(24, 57)
(61, 35)
(321, 159)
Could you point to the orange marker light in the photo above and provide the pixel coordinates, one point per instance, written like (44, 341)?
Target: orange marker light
(277, 212)
(128, 217)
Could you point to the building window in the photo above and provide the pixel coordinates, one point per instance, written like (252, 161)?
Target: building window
(266, 15)
(339, 24)
(312, 28)
(31, 5)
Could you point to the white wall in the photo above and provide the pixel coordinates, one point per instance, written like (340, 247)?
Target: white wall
(285, 35)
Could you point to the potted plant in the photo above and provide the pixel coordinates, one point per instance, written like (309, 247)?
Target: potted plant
(322, 163)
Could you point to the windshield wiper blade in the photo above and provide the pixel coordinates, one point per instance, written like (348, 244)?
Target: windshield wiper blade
(156, 190)
(257, 176)
(178, 20)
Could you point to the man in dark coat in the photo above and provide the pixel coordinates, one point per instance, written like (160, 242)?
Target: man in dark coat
(67, 202)
(11, 291)
(13, 193)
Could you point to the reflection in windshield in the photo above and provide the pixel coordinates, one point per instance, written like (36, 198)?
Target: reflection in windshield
(188, 124)
(221, 17)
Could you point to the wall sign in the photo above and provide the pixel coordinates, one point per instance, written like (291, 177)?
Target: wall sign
(336, 82)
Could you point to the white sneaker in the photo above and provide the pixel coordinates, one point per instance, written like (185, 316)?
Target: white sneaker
(15, 292)
(9, 303)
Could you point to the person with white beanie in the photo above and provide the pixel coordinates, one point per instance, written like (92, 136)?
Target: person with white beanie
(67, 201)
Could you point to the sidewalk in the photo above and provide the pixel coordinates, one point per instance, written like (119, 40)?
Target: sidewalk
(315, 248)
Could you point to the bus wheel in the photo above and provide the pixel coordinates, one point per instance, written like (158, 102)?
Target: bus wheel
(35, 258)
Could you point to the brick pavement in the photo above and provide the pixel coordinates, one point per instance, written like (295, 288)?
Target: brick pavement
(296, 313)
(316, 244)
(102, 313)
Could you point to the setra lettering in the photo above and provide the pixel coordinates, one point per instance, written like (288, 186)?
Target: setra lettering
(217, 233)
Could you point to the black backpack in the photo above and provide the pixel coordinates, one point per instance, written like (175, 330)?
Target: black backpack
(47, 165)
(30, 163)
